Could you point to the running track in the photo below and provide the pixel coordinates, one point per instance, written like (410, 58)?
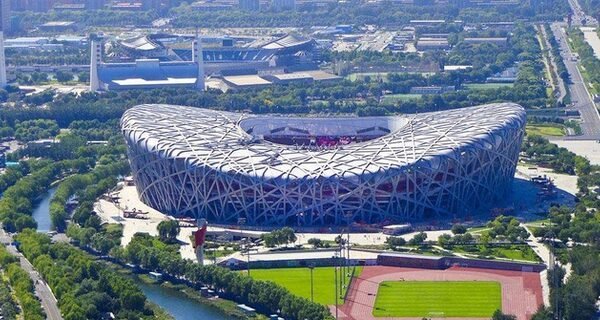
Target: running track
(521, 291)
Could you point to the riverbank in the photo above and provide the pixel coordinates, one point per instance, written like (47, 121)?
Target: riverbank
(205, 308)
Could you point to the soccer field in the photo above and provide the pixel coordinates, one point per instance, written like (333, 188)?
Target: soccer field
(297, 280)
(437, 298)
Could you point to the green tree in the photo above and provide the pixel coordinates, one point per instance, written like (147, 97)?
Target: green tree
(498, 315)
(63, 76)
(168, 230)
(459, 229)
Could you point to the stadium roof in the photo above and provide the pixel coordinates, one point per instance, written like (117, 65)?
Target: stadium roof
(230, 142)
(287, 41)
(143, 43)
(148, 72)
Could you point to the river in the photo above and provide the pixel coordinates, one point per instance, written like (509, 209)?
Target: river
(41, 212)
(178, 304)
(174, 302)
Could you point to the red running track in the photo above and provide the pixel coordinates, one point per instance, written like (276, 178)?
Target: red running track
(521, 291)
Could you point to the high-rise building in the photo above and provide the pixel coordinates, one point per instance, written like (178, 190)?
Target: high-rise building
(32, 5)
(249, 5)
(151, 4)
(284, 4)
(5, 16)
(94, 4)
(3, 81)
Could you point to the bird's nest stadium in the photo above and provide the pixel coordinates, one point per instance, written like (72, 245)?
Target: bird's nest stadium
(278, 170)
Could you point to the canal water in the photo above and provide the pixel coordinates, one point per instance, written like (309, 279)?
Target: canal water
(41, 212)
(178, 304)
(174, 302)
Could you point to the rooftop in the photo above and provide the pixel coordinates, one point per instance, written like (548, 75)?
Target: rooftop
(208, 137)
(246, 80)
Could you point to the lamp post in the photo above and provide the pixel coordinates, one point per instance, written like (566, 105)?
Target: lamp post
(311, 267)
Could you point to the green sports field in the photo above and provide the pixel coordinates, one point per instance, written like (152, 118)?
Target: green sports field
(297, 280)
(437, 298)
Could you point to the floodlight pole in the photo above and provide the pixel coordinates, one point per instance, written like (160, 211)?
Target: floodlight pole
(336, 284)
(248, 254)
(348, 254)
(311, 267)
(341, 252)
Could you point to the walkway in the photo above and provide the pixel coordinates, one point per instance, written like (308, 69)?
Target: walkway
(544, 253)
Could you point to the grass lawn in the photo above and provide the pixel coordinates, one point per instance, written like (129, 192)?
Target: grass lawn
(481, 86)
(297, 280)
(555, 130)
(393, 98)
(514, 252)
(438, 298)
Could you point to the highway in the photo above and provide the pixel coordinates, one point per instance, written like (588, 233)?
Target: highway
(580, 97)
(42, 290)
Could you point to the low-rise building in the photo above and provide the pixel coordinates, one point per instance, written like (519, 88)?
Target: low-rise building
(246, 81)
(284, 4)
(499, 41)
(58, 26)
(209, 6)
(431, 90)
(424, 44)
(457, 68)
(289, 78)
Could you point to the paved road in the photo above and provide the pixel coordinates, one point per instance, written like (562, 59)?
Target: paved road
(42, 290)
(579, 95)
(579, 16)
(562, 89)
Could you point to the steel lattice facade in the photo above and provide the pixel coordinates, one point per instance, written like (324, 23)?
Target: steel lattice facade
(220, 166)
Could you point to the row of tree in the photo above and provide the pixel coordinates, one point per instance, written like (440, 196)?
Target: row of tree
(87, 187)
(36, 129)
(84, 288)
(556, 57)
(22, 286)
(8, 306)
(278, 237)
(589, 61)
